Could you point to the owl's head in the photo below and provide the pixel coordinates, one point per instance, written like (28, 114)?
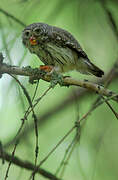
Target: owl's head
(33, 34)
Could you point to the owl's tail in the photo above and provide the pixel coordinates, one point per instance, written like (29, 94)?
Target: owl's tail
(95, 70)
(85, 66)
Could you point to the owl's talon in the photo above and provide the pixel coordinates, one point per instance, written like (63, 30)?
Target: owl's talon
(46, 68)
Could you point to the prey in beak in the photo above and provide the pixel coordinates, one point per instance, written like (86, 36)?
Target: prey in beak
(33, 41)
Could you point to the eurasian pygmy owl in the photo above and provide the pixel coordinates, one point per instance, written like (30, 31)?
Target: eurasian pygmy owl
(58, 49)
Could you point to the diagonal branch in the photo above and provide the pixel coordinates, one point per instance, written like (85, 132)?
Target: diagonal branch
(12, 17)
(114, 27)
(110, 17)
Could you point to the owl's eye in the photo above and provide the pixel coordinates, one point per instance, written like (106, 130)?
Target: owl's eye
(27, 33)
(37, 30)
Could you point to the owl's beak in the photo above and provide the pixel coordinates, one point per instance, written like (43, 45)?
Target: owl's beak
(33, 40)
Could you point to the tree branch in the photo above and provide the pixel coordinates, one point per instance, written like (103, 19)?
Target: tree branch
(66, 81)
(27, 165)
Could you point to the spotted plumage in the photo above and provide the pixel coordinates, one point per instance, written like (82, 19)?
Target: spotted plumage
(58, 48)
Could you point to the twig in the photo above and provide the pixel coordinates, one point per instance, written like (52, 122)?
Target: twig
(109, 105)
(12, 17)
(12, 156)
(111, 19)
(37, 101)
(55, 147)
(69, 132)
(67, 155)
(27, 111)
(2, 153)
(34, 117)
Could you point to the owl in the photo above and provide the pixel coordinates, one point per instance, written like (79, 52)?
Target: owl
(57, 49)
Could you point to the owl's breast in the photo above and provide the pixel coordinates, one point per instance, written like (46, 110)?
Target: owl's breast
(41, 51)
(51, 54)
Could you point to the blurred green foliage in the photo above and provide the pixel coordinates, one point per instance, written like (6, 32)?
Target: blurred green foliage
(95, 156)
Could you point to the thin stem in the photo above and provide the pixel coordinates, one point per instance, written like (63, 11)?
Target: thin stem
(12, 17)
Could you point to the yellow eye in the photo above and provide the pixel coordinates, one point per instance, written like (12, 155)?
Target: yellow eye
(37, 31)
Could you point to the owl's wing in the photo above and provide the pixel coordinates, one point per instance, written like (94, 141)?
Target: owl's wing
(66, 39)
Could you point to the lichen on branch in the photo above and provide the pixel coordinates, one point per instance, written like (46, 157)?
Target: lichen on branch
(36, 74)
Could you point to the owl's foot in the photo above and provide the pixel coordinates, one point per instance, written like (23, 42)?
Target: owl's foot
(55, 76)
(46, 68)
